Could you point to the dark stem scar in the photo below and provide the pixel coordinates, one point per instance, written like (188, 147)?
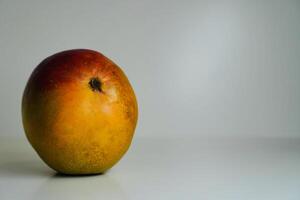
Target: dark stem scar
(95, 84)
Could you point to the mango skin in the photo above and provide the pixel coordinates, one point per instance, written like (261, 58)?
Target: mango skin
(73, 128)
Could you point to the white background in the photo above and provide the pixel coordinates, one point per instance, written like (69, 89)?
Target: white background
(214, 68)
(218, 88)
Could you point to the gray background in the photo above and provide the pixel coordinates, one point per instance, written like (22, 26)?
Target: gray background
(218, 88)
(217, 68)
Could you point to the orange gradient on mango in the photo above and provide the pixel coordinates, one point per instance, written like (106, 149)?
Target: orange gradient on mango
(79, 112)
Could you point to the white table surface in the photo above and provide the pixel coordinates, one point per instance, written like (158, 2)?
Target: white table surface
(154, 168)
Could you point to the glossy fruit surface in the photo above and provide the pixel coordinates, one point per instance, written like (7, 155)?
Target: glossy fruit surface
(79, 112)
